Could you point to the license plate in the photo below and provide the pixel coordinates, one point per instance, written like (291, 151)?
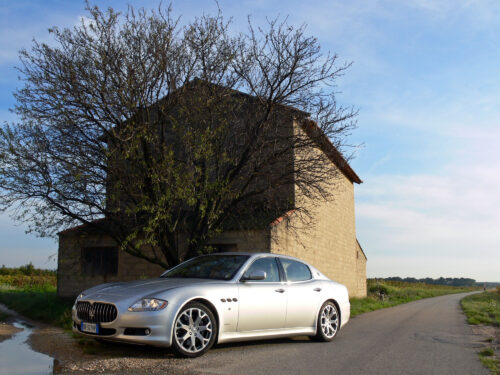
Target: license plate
(89, 327)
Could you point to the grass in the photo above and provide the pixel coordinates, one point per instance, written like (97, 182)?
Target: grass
(488, 360)
(396, 293)
(38, 303)
(484, 308)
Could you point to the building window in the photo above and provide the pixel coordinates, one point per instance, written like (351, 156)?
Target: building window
(99, 261)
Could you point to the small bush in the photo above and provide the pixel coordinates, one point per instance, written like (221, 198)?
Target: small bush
(379, 289)
(488, 352)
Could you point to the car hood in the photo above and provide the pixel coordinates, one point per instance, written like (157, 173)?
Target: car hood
(143, 288)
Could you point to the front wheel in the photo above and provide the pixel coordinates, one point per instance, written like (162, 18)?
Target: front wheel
(195, 329)
(328, 322)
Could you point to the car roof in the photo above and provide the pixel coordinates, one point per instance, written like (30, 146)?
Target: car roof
(255, 255)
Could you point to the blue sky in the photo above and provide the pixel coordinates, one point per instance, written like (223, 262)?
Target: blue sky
(426, 82)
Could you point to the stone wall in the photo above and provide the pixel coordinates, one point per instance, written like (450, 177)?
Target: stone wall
(245, 240)
(360, 271)
(328, 240)
(70, 279)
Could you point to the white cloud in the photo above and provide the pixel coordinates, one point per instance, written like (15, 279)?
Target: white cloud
(432, 225)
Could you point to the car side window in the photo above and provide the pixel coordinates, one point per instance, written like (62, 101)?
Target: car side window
(295, 271)
(269, 266)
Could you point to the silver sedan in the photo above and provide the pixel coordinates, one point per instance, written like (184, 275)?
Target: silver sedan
(216, 298)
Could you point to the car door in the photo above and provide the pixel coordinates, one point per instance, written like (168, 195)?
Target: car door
(262, 303)
(303, 294)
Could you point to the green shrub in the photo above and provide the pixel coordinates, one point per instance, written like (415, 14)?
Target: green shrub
(379, 289)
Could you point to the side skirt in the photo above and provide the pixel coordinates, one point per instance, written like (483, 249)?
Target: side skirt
(265, 334)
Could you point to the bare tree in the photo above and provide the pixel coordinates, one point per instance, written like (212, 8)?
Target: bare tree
(162, 135)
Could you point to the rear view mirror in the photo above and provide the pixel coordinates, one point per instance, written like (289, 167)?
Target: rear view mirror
(255, 276)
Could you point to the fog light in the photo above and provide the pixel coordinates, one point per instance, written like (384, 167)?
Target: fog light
(147, 331)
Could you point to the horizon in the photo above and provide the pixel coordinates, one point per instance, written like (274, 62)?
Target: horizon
(425, 80)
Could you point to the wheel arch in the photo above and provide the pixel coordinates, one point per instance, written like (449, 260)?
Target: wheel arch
(207, 303)
(336, 305)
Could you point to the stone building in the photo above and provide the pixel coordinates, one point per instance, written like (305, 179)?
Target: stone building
(87, 258)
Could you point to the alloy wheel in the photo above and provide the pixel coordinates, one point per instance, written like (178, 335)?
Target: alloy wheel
(193, 330)
(329, 321)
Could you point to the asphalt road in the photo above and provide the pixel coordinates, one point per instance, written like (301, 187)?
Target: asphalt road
(429, 336)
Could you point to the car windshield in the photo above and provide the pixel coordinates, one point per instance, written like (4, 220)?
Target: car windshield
(218, 267)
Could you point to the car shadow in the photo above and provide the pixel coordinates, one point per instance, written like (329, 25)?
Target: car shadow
(263, 342)
(116, 349)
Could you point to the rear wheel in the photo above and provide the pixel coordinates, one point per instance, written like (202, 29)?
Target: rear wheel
(195, 329)
(328, 322)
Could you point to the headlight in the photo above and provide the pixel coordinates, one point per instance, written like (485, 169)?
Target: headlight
(148, 304)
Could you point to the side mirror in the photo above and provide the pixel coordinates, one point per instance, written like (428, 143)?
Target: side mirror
(255, 276)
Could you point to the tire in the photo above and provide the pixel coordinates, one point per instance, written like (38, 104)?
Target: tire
(195, 322)
(328, 323)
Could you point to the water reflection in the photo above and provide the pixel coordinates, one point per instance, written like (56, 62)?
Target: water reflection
(17, 357)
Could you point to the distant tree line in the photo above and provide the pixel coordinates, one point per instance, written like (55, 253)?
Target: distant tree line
(26, 270)
(451, 281)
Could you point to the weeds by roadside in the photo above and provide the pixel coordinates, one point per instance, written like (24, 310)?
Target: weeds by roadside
(487, 358)
(484, 309)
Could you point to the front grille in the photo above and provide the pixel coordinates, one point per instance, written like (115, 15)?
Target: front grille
(95, 312)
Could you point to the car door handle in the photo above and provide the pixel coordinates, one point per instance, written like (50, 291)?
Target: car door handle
(317, 289)
(280, 290)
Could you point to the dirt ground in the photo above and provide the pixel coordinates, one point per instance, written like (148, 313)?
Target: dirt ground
(7, 330)
(78, 355)
(488, 336)
(82, 355)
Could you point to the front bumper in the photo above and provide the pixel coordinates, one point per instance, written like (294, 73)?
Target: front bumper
(157, 322)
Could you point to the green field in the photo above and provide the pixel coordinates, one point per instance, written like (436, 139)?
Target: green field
(35, 297)
(391, 293)
(484, 308)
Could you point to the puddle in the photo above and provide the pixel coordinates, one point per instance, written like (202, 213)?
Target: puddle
(16, 356)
